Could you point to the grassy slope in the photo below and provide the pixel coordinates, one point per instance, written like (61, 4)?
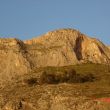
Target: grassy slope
(99, 88)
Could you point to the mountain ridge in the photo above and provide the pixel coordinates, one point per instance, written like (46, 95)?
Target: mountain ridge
(62, 69)
(80, 46)
(60, 48)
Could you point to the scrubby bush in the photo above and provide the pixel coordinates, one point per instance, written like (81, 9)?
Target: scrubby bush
(31, 81)
(87, 78)
(48, 78)
(55, 77)
(72, 76)
(67, 76)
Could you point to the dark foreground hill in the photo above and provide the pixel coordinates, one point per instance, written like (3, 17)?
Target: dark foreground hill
(37, 74)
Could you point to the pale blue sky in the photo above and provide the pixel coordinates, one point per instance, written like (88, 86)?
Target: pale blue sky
(25, 19)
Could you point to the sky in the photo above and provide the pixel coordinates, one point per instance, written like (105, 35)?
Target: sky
(25, 19)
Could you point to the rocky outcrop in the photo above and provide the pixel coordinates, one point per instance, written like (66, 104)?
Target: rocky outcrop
(66, 47)
(9, 41)
(13, 60)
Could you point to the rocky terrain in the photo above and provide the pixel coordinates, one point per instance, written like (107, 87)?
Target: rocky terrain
(66, 47)
(89, 89)
(13, 60)
(60, 70)
(56, 48)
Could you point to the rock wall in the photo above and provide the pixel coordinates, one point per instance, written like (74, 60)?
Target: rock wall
(66, 47)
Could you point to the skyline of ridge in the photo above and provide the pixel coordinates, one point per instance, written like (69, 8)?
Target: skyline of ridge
(35, 37)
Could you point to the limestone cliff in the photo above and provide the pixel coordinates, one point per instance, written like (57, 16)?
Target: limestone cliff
(66, 47)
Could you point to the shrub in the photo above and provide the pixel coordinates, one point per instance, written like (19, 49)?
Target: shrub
(56, 77)
(66, 76)
(87, 78)
(31, 81)
(48, 78)
(71, 76)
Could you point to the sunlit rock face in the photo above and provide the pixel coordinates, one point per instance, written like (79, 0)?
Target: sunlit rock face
(66, 47)
(56, 48)
(13, 60)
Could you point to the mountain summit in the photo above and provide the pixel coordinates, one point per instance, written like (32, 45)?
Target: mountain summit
(66, 47)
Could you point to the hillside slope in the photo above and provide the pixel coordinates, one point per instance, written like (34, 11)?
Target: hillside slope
(13, 60)
(26, 94)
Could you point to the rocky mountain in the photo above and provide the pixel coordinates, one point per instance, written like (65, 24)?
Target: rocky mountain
(66, 47)
(56, 48)
(42, 73)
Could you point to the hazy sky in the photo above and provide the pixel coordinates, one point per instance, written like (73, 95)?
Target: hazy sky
(25, 19)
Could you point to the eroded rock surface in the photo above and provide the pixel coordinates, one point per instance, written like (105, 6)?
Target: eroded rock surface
(56, 48)
(66, 47)
(13, 60)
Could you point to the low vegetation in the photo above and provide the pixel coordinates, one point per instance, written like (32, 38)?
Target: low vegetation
(31, 81)
(66, 76)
